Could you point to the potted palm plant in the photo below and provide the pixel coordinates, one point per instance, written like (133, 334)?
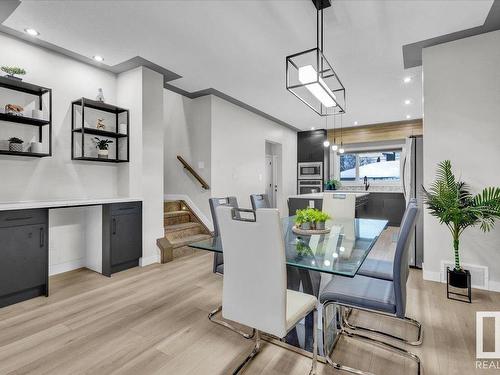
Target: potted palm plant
(451, 201)
(102, 146)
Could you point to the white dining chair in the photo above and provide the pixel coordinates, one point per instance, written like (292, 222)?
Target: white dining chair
(339, 206)
(254, 289)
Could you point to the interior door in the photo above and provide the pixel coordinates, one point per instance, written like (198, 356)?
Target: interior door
(269, 181)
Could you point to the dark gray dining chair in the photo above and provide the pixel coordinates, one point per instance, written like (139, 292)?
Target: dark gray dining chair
(259, 201)
(379, 268)
(378, 296)
(218, 266)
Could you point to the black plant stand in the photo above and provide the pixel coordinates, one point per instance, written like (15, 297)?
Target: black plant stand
(462, 297)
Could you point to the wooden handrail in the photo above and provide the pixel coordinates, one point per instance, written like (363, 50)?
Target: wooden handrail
(204, 185)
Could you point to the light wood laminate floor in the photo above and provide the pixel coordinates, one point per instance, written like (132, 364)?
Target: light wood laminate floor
(153, 320)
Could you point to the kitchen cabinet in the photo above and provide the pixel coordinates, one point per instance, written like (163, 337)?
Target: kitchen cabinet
(122, 236)
(387, 206)
(23, 255)
(310, 146)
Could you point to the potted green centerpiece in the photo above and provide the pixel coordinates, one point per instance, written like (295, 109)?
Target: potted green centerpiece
(451, 201)
(332, 184)
(15, 144)
(12, 71)
(102, 146)
(309, 219)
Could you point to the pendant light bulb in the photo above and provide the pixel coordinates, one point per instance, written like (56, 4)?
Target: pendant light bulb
(335, 147)
(326, 143)
(341, 150)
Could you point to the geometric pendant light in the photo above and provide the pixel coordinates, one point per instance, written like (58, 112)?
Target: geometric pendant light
(311, 78)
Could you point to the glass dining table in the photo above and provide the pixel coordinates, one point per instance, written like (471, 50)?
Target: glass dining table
(313, 259)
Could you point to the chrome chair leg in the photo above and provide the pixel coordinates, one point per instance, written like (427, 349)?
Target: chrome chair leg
(254, 352)
(327, 353)
(212, 318)
(411, 321)
(315, 343)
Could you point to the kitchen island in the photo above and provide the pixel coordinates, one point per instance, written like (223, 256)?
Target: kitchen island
(369, 204)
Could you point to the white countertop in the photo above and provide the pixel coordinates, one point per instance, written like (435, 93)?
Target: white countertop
(23, 205)
(320, 195)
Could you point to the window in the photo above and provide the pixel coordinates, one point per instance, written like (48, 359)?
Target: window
(375, 165)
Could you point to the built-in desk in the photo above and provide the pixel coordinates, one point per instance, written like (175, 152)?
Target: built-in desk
(24, 238)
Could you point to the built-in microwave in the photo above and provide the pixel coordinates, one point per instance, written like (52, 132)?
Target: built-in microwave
(310, 186)
(309, 171)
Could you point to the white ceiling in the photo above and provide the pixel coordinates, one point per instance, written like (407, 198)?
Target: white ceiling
(239, 47)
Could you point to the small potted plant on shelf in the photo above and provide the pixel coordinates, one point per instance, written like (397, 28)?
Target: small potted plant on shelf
(332, 184)
(15, 144)
(321, 218)
(451, 201)
(102, 146)
(12, 71)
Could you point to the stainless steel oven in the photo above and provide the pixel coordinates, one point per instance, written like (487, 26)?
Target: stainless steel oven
(310, 186)
(310, 171)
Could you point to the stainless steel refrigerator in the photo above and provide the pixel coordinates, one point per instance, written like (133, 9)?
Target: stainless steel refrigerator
(412, 188)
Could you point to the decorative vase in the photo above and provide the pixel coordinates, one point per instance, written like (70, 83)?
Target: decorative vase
(320, 225)
(305, 226)
(102, 154)
(122, 128)
(100, 95)
(10, 76)
(458, 279)
(4, 145)
(16, 147)
(37, 114)
(36, 147)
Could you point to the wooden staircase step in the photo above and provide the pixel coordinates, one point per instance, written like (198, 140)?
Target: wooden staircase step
(181, 226)
(172, 206)
(189, 239)
(176, 213)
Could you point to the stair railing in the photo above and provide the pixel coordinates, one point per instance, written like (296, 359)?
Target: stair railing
(200, 179)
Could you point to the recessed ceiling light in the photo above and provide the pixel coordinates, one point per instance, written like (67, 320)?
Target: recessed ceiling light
(407, 101)
(31, 32)
(407, 79)
(408, 116)
(312, 128)
(355, 123)
(98, 58)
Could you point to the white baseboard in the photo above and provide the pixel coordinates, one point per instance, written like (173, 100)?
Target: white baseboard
(146, 261)
(182, 197)
(55, 269)
(439, 277)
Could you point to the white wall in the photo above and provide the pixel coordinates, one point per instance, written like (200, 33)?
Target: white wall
(188, 134)
(461, 123)
(58, 177)
(238, 153)
(231, 143)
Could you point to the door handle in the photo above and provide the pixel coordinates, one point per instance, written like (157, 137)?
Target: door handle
(42, 237)
(114, 225)
(18, 218)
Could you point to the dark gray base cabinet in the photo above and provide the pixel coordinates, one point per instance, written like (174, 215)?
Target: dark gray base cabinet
(121, 236)
(24, 255)
(386, 206)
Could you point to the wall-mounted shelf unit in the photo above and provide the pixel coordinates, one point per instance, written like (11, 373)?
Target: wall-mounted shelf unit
(35, 90)
(84, 115)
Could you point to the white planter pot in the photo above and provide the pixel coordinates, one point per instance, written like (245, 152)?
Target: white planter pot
(102, 154)
(36, 147)
(37, 114)
(16, 147)
(122, 128)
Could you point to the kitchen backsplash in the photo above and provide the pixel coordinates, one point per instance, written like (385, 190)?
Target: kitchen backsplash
(374, 188)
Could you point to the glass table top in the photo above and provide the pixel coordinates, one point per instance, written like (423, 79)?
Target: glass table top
(339, 252)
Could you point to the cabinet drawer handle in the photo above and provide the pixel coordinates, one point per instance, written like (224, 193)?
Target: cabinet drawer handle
(42, 237)
(18, 218)
(114, 226)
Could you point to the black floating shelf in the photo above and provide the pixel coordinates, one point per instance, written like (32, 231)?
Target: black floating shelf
(30, 154)
(18, 85)
(94, 104)
(101, 160)
(23, 120)
(103, 133)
